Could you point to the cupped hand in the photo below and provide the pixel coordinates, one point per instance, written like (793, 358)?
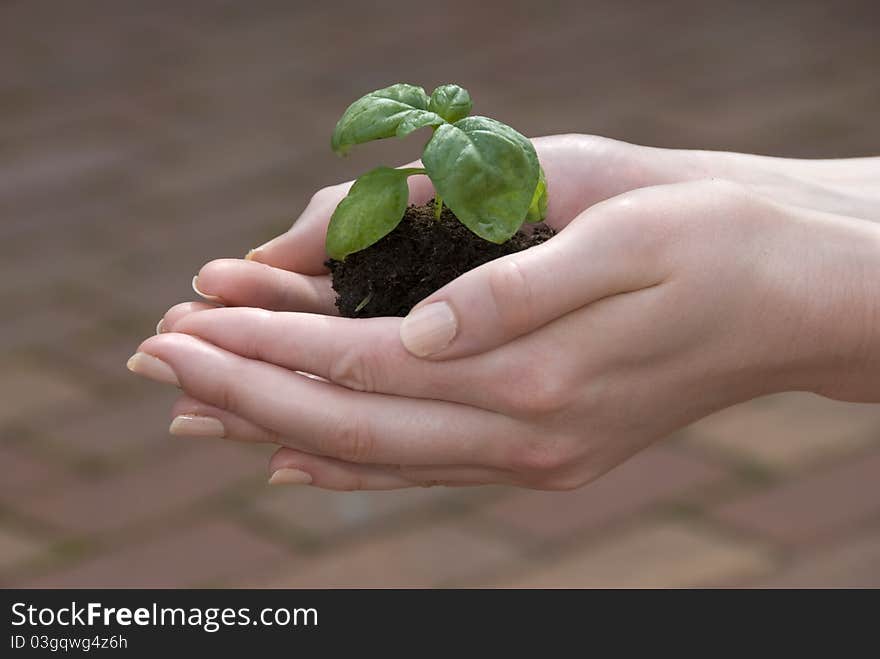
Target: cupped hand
(582, 170)
(288, 272)
(548, 367)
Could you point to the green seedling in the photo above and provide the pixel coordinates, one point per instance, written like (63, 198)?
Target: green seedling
(485, 172)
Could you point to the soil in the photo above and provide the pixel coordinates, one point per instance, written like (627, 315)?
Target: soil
(420, 256)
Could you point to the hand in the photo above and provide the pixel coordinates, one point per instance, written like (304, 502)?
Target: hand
(582, 170)
(676, 300)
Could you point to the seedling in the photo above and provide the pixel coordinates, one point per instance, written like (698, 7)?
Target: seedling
(484, 171)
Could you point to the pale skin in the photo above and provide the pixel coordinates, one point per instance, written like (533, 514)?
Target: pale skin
(680, 283)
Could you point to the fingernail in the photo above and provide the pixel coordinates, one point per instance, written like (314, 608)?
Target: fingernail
(209, 298)
(160, 325)
(152, 367)
(290, 477)
(193, 425)
(429, 329)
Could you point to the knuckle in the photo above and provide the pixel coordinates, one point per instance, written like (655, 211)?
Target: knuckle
(530, 400)
(511, 295)
(632, 227)
(225, 396)
(538, 390)
(353, 440)
(638, 225)
(541, 458)
(356, 369)
(223, 389)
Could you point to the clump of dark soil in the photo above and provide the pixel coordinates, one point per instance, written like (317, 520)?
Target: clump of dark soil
(420, 256)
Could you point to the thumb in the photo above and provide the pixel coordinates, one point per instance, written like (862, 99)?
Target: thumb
(301, 248)
(606, 250)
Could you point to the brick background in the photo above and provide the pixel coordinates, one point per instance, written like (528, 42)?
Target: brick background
(139, 140)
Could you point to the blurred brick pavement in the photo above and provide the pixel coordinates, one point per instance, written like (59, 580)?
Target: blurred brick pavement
(139, 140)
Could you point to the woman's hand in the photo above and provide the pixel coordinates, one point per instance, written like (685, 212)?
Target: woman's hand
(582, 170)
(646, 312)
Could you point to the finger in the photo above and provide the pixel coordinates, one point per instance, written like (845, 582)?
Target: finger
(301, 248)
(359, 354)
(618, 246)
(289, 466)
(320, 417)
(246, 283)
(178, 311)
(297, 467)
(194, 418)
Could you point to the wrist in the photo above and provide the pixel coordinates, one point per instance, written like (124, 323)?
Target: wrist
(848, 312)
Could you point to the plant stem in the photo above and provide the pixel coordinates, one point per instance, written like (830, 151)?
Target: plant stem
(438, 206)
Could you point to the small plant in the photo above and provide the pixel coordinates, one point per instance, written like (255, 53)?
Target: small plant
(484, 171)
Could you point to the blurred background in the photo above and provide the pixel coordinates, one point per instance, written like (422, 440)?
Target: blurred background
(139, 140)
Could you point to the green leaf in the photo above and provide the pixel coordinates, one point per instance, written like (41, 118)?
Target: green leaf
(373, 207)
(538, 208)
(486, 174)
(451, 102)
(395, 111)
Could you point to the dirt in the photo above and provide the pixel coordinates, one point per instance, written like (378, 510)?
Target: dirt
(420, 256)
